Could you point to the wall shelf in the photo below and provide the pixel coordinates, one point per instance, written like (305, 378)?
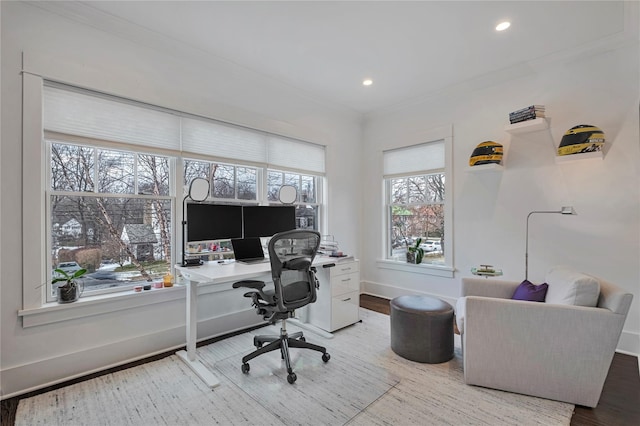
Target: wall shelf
(527, 126)
(596, 155)
(482, 168)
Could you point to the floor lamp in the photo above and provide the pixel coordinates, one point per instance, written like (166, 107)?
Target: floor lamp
(563, 210)
(198, 191)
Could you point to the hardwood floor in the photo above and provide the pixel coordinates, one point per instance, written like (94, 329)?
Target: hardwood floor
(619, 404)
(620, 401)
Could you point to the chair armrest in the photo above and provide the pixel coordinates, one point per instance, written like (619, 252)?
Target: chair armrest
(258, 285)
(488, 287)
(560, 352)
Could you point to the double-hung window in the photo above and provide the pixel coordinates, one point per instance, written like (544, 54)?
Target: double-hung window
(418, 202)
(116, 170)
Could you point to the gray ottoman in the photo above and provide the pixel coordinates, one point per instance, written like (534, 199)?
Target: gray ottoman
(422, 329)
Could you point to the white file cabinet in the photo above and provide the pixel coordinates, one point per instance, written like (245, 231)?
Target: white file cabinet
(338, 298)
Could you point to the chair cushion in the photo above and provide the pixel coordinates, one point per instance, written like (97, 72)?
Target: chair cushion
(461, 303)
(569, 287)
(530, 292)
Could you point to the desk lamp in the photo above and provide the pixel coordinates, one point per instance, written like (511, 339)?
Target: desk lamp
(198, 191)
(564, 210)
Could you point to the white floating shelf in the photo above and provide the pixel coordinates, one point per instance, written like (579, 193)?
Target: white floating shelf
(527, 126)
(596, 155)
(491, 167)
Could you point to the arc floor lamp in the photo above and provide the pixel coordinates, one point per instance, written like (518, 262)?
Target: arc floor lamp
(568, 210)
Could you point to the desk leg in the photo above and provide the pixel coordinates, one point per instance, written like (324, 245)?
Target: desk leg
(189, 356)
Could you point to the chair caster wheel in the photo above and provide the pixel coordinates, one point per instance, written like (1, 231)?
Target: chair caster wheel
(245, 368)
(291, 378)
(302, 339)
(326, 357)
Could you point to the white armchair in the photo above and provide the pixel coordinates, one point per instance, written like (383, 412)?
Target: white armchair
(554, 351)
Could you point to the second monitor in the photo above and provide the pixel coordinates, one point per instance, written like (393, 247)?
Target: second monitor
(265, 221)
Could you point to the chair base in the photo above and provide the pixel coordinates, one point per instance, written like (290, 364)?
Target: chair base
(282, 342)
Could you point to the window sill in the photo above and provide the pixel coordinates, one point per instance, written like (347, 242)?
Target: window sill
(50, 313)
(423, 268)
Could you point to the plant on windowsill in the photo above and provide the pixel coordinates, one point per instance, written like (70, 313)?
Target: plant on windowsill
(71, 290)
(415, 253)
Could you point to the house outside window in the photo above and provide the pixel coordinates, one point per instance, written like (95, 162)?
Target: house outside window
(110, 212)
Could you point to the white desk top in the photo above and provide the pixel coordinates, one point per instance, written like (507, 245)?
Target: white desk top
(213, 272)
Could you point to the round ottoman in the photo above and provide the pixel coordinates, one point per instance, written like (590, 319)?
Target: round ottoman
(422, 329)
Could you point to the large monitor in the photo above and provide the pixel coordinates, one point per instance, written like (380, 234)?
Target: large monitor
(207, 222)
(265, 221)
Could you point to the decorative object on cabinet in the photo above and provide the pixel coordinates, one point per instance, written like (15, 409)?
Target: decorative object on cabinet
(566, 210)
(581, 139)
(527, 126)
(486, 271)
(527, 113)
(487, 152)
(338, 298)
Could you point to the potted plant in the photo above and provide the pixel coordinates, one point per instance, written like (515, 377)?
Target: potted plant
(70, 291)
(415, 253)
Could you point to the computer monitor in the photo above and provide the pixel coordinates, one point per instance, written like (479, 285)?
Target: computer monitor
(265, 221)
(207, 222)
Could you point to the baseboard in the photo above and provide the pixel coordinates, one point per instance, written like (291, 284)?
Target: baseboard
(37, 375)
(628, 344)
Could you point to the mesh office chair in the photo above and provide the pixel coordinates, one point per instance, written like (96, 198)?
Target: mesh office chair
(291, 254)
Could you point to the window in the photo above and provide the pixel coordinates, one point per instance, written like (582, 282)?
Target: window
(416, 211)
(113, 170)
(110, 211)
(307, 206)
(229, 182)
(417, 204)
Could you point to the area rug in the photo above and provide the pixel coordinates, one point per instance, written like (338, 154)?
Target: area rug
(364, 383)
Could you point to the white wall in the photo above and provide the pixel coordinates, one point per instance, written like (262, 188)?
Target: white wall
(74, 53)
(490, 209)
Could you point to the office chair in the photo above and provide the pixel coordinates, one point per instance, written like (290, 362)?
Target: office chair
(291, 254)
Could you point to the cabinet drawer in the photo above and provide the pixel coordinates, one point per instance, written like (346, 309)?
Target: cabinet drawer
(345, 283)
(345, 268)
(345, 310)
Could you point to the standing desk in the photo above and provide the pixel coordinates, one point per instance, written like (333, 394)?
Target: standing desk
(209, 273)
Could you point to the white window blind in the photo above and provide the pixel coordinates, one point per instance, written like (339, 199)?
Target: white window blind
(416, 159)
(220, 140)
(289, 153)
(74, 113)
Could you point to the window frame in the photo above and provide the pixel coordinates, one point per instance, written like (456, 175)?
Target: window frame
(36, 308)
(445, 134)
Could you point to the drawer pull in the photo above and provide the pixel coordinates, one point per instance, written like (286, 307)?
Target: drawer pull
(347, 299)
(345, 269)
(346, 280)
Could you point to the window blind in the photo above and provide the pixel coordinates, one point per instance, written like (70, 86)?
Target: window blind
(416, 159)
(220, 140)
(287, 153)
(79, 114)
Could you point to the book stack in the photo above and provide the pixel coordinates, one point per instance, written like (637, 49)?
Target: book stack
(529, 113)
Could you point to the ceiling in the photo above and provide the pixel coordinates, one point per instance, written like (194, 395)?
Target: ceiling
(325, 49)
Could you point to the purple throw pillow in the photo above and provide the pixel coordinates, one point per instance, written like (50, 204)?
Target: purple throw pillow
(530, 292)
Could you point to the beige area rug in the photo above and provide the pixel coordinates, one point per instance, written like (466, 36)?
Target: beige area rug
(364, 383)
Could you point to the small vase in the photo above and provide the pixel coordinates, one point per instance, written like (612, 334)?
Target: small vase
(411, 257)
(68, 294)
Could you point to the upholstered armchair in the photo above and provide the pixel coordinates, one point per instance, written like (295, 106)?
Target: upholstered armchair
(554, 349)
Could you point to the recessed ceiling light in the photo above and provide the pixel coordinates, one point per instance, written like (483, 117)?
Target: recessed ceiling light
(503, 26)
(367, 82)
